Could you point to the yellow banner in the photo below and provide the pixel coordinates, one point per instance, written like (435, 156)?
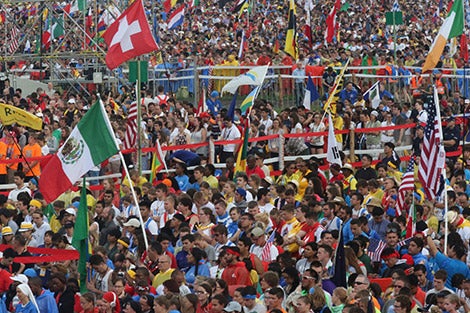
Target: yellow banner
(10, 115)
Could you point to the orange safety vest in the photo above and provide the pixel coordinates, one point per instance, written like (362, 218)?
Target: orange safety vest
(440, 86)
(415, 84)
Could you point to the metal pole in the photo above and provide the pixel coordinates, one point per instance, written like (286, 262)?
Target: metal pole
(139, 119)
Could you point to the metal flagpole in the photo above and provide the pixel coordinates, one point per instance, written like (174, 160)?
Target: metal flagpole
(139, 118)
(134, 195)
(441, 149)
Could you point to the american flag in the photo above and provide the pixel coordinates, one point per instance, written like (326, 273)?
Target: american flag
(375, 249)
(404, 242)
(266, 253)
(432, 155)
(407, 183)
(131, 127)
(13, 40)
(395, 6)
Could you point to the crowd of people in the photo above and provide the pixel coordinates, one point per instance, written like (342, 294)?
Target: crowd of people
(265, 239)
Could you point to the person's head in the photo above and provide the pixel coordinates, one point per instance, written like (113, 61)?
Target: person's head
(402, 304)
(132, 307)
(98, 264)
(87, 301)
(304, 304)
(415, 246)
(164, 263)
(274, 298)
(309, 279)
(57, 282)
(420, 272)
(218, 301)
(269, 279)
(203, 292)
(440, 278)
(361, 283)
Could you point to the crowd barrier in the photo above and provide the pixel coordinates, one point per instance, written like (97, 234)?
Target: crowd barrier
(405, 151)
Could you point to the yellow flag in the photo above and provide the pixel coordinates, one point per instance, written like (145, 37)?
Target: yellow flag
(291, 40)
(10, 115)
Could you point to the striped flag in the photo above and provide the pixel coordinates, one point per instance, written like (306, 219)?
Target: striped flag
(266, 253)
(432, 155)
(158, 162)
(291, 36)
(249, 100)
(131, 127)
(13, 40)
(407, 184)
(453, 26)
(202, 106)
(311, 93)
(240, 165)
(375, 249)
(243, 46)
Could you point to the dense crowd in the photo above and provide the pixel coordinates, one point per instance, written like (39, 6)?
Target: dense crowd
(262, 240)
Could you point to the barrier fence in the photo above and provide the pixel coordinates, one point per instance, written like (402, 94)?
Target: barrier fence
(404, 150)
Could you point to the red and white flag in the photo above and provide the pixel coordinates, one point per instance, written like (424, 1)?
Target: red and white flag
(131, 128)
(407, 184)
(13, 46)
(331, 22)
(129, 36)
(266, 252)
(433, 155)
(202, 106)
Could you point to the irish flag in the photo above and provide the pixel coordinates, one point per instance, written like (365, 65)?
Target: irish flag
(452, 27)
(90, 143)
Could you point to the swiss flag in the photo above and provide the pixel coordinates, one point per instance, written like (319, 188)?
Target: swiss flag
(129, 36)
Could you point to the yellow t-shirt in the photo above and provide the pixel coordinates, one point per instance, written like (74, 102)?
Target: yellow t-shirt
(160, 278)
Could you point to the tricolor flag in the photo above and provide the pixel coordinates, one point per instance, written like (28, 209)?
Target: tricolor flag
(75, 6)
(452, 27)
(311, 93)
(193, 3)
(240, 6)
(433, 155)
(373, 95)
(176, 18)
(291, 37)
(332, 153)
(331, 22)
(249, 100)
(254, 77)
(82, 151)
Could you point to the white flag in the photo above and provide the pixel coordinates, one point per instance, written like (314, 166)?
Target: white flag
(332, 153)
(373, 94)
(254, 77)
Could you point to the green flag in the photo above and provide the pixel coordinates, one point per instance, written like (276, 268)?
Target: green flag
(57, 28)
(80, 238)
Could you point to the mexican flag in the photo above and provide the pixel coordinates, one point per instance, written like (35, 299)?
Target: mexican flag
(90, 143)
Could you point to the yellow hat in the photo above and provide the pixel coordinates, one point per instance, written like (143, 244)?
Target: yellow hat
(25, 226)
(7, 231)
(35, 203)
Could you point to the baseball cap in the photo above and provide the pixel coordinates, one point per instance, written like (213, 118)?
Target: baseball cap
(241, 192)
(257, 232)
(71, 211)
(133, 222)
(233, 306)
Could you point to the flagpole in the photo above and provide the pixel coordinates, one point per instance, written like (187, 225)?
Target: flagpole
(139, 118)
(121, 156)
(446, 220)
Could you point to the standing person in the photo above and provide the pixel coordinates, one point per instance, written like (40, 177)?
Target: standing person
(299, 74)
(230, 132)
(44, 298)
(64, 295)
(317, 142)
(32, 168)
